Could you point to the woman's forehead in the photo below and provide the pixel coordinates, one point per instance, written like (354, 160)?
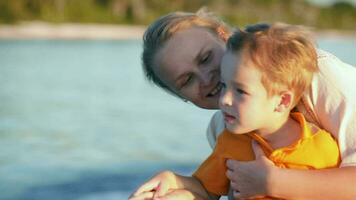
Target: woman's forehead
(188, 43)
(181, 51)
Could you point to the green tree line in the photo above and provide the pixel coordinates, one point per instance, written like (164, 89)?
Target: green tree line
(341, 15)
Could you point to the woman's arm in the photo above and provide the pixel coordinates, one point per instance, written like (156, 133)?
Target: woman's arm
(336, 183)
(261, 178)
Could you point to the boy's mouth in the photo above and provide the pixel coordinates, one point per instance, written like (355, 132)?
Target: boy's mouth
(229, 118)
(216, 90)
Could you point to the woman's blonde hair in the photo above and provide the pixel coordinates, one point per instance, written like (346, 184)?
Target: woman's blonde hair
(161, 30)
(284, 54)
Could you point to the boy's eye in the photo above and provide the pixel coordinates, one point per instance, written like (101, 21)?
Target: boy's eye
(240, 91)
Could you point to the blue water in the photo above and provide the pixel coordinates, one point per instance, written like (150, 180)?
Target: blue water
(78, 121)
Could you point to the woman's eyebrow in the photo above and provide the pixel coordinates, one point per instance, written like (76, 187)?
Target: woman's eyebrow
(179, 78)
(199, 55)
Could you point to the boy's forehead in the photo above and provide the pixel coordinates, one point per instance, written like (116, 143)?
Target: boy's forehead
(240, 72)
(230, 68)
(230, 62)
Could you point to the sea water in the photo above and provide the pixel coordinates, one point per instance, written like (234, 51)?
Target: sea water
(78, 120)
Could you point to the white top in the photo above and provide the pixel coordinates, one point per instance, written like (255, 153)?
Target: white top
(330, 103)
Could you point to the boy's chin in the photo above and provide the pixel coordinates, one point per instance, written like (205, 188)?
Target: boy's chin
(235, 130)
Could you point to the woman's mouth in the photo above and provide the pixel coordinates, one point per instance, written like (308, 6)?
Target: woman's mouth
(216, 90)
(229, 118)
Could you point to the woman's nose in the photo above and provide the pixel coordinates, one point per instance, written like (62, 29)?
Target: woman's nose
(206, 77)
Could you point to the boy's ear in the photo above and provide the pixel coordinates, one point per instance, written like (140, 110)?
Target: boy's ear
(285, 101)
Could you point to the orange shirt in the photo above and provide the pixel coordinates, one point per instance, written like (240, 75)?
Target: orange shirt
(316, 149)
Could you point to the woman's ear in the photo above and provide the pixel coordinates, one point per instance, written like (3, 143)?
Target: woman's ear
(285, 101)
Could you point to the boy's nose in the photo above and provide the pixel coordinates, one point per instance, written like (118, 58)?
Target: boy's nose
(225, 98)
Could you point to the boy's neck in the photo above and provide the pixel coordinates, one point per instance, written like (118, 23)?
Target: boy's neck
(287, 133)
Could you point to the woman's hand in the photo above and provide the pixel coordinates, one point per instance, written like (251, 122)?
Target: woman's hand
(158, 186)
(177, 194)
(250, 178)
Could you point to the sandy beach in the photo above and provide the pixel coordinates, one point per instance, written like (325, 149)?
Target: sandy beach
(43, 30)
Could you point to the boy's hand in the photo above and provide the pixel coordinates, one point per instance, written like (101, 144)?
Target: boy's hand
(156, 187)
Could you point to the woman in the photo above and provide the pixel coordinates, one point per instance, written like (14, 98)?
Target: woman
(182, 54)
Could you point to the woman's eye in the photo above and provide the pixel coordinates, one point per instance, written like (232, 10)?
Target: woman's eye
(187, 81)
(205, 58)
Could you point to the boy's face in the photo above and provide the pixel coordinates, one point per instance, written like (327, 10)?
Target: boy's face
(244, 100)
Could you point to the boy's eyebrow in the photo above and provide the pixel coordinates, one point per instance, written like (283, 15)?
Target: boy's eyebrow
(239, 85)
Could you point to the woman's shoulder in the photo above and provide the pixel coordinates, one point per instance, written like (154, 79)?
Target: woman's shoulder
(215, 128)
(330, 65)
(334, 76)
(331, 99)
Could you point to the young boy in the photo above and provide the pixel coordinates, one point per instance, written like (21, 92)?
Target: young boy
(264, 72)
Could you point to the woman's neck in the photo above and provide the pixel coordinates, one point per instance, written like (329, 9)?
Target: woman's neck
(287, 134)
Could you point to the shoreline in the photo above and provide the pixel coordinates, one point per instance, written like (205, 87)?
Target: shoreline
(73, 31)
(70, 31)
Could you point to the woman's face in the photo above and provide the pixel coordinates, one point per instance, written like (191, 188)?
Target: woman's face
(189, 63)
